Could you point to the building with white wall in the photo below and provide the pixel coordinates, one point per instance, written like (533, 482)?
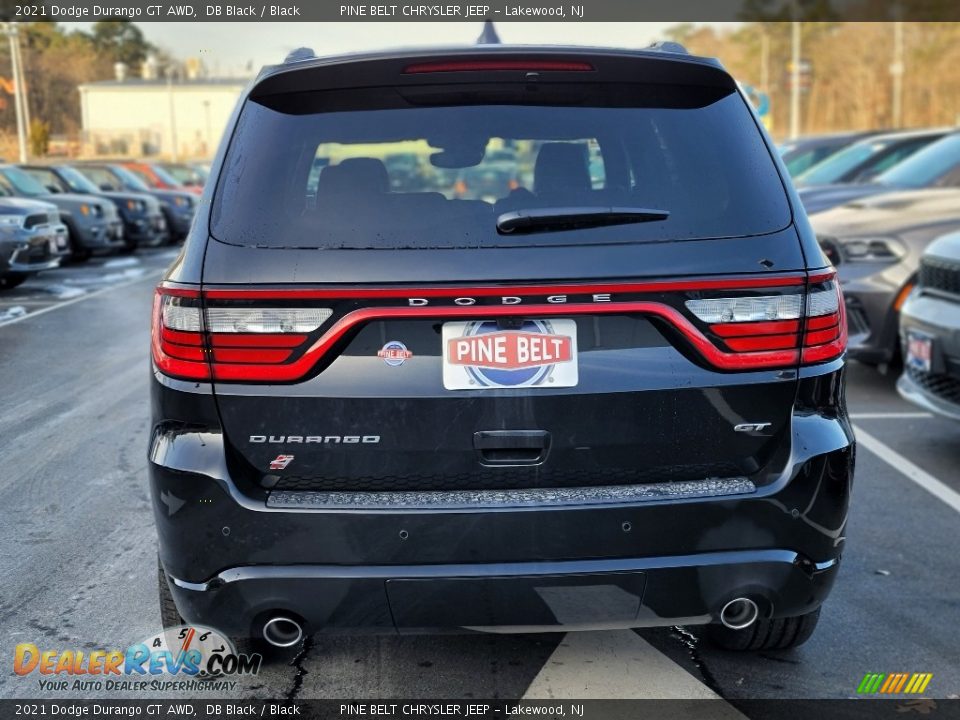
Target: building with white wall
(137, 117)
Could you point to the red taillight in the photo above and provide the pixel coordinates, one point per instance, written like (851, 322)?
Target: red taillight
(755, 326)
(825, 336)
(197, 343)
(180, 350)
(498, 65)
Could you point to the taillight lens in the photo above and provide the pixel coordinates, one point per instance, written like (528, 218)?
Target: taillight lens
(825, 334)
(747, 309)
(226, 343)
(774, 330)
(178, 343)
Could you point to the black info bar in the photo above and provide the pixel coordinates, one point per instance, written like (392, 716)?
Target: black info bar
(514, 11)
(552, 709)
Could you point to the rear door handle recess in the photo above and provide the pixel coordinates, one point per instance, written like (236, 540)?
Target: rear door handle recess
(512, 447)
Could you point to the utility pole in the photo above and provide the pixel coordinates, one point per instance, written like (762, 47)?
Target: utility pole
(10, 30)
(22, 84)
(795, 77)
(896, 71)
(209, 142)
(173, 114)
(764, 61)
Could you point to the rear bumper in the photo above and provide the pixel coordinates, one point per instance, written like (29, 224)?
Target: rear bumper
(549, 564)
(508, 597)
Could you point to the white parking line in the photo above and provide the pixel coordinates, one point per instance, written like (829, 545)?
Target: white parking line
(86, 296)
(619, 665)
(921, 477)
(890, 415)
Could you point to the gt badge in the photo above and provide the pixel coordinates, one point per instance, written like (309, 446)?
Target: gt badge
(394, 353)
(281, 462)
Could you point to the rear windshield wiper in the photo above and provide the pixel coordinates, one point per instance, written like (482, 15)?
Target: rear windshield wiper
(574, 218)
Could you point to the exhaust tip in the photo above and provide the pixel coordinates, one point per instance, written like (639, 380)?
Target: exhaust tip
(282, 632)
(739, 613)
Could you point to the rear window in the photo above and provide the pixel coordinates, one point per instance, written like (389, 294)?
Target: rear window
(336, 170)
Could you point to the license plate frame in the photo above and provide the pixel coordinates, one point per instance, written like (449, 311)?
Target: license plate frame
(534, 353)
(919, 351)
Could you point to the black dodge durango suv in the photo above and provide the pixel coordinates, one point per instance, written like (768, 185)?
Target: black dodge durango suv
(610, 396)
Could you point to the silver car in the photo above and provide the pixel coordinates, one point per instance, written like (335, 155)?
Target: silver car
(930, 331)
(32, 239)
(875, 244)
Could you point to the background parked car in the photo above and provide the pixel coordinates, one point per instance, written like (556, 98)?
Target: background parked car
(189, 175)
(865, 159)
(178, 206)
(32, 239)
(92, 222)
(140, 213)
(876, 244)
(801, 154)
(156, 178)
(935, 165)
(930, 331)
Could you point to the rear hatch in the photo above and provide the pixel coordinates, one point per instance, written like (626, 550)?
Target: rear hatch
(627, 308)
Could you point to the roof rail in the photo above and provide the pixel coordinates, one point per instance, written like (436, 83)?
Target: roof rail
(668, 46)
(489, 35)
(301, 53)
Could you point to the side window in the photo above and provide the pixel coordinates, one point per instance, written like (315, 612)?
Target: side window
(102, 178)
(141, 174)
(598, 174)
(47, 179)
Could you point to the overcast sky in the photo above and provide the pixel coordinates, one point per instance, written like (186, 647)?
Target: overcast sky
(226, 48)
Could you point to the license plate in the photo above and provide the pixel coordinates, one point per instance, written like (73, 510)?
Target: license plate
(160, 223)
(481, 354)
(919, 352)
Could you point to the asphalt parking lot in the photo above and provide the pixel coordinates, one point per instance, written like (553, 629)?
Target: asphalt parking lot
(77, 557)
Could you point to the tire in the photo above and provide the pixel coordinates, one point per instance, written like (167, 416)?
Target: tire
(11, 280)
(78, 253)
(169, 615)
(767, 634)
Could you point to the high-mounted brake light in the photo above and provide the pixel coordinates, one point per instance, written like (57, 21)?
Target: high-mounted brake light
(498, 65)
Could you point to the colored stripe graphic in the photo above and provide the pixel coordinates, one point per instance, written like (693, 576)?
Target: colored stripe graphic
(894, 683)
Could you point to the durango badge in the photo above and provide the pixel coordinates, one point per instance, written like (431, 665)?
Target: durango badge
(480, 355)
(281, 462)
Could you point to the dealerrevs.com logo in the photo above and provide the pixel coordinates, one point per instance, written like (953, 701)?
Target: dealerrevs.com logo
(159, 662)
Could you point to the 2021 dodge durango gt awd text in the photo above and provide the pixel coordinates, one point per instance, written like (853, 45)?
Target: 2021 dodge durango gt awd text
(612, 397)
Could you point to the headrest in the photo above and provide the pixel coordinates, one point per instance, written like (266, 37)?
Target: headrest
(561, 167)
(354, 175)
